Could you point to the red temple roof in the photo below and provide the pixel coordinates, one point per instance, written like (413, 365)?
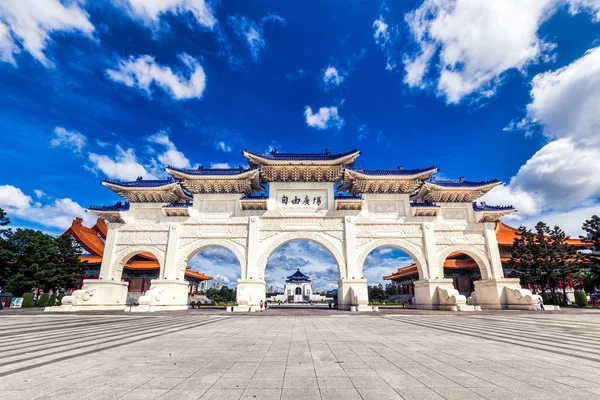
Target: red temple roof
(92, 239)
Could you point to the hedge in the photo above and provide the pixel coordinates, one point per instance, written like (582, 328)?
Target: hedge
(27, 300)
(43, 301)
(59, 299)
(52, 300)
(581, 298)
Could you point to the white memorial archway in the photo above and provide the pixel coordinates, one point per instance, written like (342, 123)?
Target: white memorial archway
(315, 197)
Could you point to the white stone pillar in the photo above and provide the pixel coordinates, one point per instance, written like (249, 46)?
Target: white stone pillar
(493, 251)
(432, 270)
(251, 287)
(250, 270)
(108, 258)
(350, 270)
(170, 291)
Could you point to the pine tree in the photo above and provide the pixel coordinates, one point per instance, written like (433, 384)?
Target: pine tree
(7, 265)
(34, 252)
(542, 255)
(592, 227)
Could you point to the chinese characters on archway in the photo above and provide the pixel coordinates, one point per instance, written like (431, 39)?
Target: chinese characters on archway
(306, 201)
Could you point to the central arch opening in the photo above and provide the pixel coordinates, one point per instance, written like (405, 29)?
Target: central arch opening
(302, 272)
(212, 273)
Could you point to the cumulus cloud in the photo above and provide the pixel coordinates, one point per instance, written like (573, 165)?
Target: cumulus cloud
(384, 37)
(71, 140)
(170, 155)
(252, 32)
(224, 147)
(149, 12)
(477, 41)
(333, 77)
(218, 262)
(220, 165)
(326, 117)
(124, 165)
(58, 214)
(30, 24)
(143, 72)
(563, 177)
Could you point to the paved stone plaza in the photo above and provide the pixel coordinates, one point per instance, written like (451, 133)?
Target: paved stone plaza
(299, 354)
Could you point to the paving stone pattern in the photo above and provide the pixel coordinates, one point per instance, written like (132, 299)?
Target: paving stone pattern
(196, 355)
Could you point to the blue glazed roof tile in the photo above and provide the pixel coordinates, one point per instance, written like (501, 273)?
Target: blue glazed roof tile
(298, 277)
(276, 156)
(484, 207)
(211, 171)
(461, 182)
(118, 206)
(397, 171)
(140, 182)
(423, 204)
(179, 205)
(255, 197)
(348, 197)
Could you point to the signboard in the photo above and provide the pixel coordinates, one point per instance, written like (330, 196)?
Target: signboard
(16, 302)
(302, 199)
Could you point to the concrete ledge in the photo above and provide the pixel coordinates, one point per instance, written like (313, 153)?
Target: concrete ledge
(73, 308)
(154, 308)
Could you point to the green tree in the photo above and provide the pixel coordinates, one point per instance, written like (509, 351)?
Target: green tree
(377, 294)
(7, 265)
(34, 251)
(67, 270)
(592, 273)
(542, 255)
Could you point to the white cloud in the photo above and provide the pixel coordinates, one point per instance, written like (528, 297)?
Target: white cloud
(31, 23)
(565, 102)
(58, 214)
(171, 156)
(220, 165)
(563, 178)
(150, 11)
(570, 221)
(590, 6)
(326, 117)
(224, 147)
(71, 140)
(39, 193)
(142, 72)
(384, 37)
(252, 32)
(125, 165)
(333, 77)
(478, 41)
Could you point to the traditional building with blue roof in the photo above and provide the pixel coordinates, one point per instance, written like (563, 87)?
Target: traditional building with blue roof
(320, 197)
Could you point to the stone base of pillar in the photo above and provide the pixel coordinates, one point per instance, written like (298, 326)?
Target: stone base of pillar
(164, 295)
(353, 293)
(439, 294)
(504, 293)
(95, 295)
(250, 292)
(427, 295)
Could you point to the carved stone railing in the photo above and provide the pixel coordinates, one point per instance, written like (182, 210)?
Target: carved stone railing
(451, 299)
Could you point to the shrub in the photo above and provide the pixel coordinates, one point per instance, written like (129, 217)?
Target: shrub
(27, 300)
(59, 299)
(581, 298)
(43, 300)
(52, 300)
(547, 297)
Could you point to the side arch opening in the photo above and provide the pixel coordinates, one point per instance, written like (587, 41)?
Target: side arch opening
(391, 272)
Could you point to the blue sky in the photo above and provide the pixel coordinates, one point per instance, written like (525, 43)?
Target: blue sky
(120, 88)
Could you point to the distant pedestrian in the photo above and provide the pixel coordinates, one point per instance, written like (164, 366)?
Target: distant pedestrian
(541, 303)
(266, 305)
(261, 305)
